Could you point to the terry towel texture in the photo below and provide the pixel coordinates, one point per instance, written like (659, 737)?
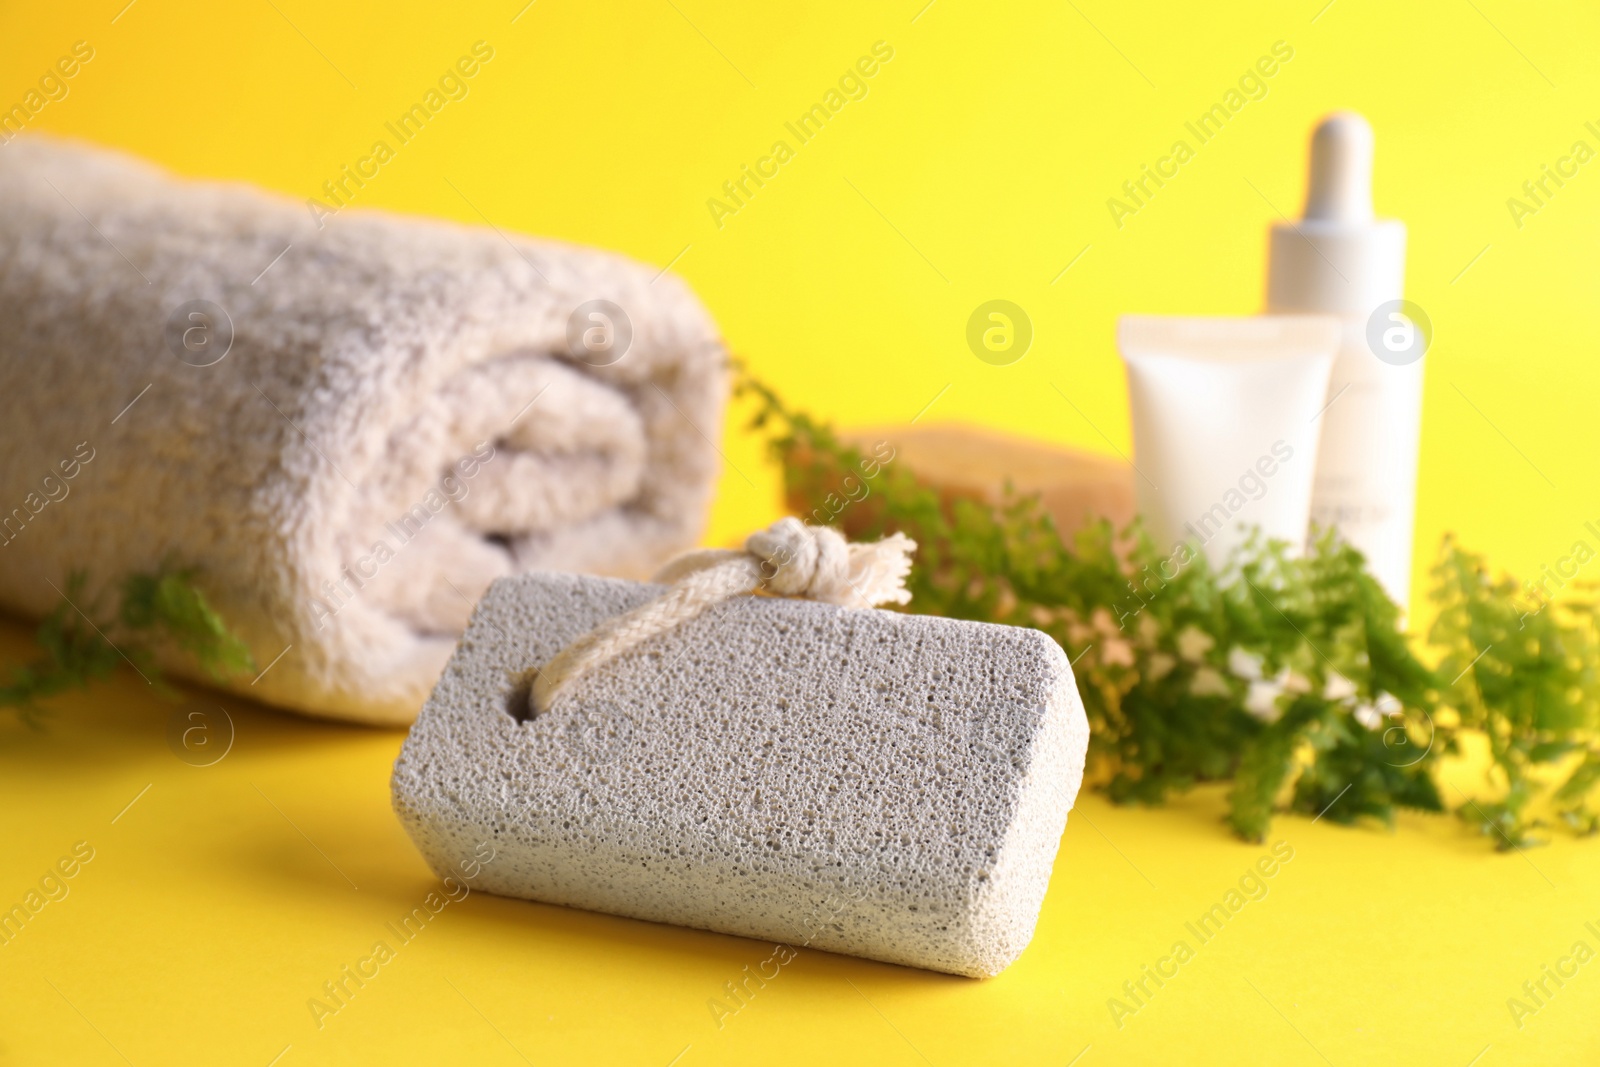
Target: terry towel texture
(400, 419)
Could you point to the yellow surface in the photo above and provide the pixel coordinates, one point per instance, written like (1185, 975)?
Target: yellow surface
(977, 167)
(218, 904)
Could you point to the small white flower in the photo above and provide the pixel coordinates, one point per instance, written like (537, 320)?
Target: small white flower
(1338, 688)
(1367, 716)
(1244, 664)
(1262, 701)
(1116, 653)
(1194, 643)
(1388, 704)
(1161, 665)
(1208, 682)
(1292, 682)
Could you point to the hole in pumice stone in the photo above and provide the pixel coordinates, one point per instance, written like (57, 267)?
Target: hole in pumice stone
(519, 702)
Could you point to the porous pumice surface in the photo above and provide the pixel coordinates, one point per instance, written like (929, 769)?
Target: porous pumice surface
(884, 785)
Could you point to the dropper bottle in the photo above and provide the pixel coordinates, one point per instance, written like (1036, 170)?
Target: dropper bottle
(1339, 259)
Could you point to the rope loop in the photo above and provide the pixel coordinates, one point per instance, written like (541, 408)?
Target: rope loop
(788, 559)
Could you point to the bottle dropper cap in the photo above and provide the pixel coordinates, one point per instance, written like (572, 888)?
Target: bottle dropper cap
(1338, 258)
(1339, 187)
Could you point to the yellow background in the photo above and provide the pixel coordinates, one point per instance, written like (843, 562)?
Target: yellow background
(977, 167)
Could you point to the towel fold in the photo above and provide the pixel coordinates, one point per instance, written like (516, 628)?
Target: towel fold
(348, 427)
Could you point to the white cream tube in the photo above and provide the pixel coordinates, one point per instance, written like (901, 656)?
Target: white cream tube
(1226, 417)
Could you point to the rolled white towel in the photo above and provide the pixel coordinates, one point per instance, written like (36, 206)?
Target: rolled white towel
(405, 411)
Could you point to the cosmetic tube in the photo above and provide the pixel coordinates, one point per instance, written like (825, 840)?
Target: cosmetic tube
(1225, 414)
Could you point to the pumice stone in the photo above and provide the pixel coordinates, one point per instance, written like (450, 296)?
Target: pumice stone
(880, 784)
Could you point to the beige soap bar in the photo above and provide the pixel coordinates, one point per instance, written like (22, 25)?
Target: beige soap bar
(972, 462)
